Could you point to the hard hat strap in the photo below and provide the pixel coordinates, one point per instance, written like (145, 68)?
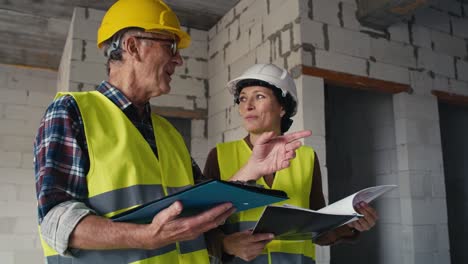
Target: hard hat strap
(114, 46)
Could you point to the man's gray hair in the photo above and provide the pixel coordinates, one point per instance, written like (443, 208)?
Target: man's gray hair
(112, 47)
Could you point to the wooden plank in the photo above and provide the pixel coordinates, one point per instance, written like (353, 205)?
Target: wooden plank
(179, 112)
(199, 14)
(31, 40)
(53, 8)
(355, 81)
(18, 56)
(451, 98)
(34, 31)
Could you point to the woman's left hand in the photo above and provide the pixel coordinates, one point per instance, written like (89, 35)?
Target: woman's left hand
(368, 221)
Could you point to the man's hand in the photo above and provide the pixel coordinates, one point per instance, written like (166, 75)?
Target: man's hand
(270, 154)
(245, 245)
(166, 228)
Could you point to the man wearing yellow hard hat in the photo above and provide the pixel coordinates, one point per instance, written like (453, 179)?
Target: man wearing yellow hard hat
(101, 153)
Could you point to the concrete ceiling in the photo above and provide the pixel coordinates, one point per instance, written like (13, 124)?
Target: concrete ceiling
(384, 13)
(33, 32)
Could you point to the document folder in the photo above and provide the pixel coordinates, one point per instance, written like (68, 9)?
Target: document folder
(289, 222)
(204, 196)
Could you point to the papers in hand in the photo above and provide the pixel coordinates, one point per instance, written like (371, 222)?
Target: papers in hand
(204, 196)
(294, 223)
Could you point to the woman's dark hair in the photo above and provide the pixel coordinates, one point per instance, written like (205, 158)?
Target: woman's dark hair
(286, 102)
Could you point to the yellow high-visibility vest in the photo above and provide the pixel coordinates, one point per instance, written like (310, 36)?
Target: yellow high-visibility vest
(124, 173)
(296, 181)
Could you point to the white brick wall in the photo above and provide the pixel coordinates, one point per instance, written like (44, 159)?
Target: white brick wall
(392, 52)
(462, 70)
(263, 53)
(399, 32)
(218, 81)
(460, 27)
(326, 11)
(421, 36)
(458, 87)
(312, 33)
(279, 17)
(352, 43)
(389, 72)
(242, 64)
(446, 44)
(420, 172)
(429, 54)
(341, 63)
(433, 19)
(436, 62)
(24, 95)
(219, 102)
(423, 55)
(348, 10)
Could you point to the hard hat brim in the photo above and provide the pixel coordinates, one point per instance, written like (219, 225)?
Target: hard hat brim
(232, 87)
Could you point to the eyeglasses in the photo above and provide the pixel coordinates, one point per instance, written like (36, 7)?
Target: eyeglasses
(173, 43)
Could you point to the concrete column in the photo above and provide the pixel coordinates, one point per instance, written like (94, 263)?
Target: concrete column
(311, 115)
(421, 180)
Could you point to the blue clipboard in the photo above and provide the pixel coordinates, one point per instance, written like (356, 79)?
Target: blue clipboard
(203, 196)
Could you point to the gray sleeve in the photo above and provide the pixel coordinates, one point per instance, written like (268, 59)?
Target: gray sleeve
(59, 223)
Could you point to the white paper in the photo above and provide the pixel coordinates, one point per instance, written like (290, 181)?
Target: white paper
(346, 205)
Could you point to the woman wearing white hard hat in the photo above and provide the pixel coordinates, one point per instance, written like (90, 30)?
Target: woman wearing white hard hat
(267, 99)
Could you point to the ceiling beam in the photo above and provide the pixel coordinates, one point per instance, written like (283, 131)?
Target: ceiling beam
(355, 81)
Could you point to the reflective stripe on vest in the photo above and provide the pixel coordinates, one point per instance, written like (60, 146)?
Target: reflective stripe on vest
(296, 181)
(111, 256)
(109, 202)
(277, 258)
(124, 173)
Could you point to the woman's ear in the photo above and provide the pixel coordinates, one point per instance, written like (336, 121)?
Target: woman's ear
(283, 112)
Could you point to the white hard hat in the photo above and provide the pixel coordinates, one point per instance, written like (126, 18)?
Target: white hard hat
(272, 74)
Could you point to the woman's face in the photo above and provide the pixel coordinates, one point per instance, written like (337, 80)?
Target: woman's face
(260, 110)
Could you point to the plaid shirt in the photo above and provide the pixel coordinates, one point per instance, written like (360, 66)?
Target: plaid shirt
(61, 153)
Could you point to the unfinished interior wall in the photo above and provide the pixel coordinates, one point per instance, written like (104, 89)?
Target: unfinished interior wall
(361, 152)
(252, 32)
(83, 68)
(24, 95)
(428, 52)
(261, 31)
(454, 128)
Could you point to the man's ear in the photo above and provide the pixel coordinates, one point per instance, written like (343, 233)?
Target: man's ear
(130, 45)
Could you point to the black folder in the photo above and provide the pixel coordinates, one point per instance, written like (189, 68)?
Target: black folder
(292, 223)
(204, 196)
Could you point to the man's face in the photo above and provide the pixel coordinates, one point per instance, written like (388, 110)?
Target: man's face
(157, 62)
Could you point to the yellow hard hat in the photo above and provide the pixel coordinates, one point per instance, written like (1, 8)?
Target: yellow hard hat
(146, 14)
